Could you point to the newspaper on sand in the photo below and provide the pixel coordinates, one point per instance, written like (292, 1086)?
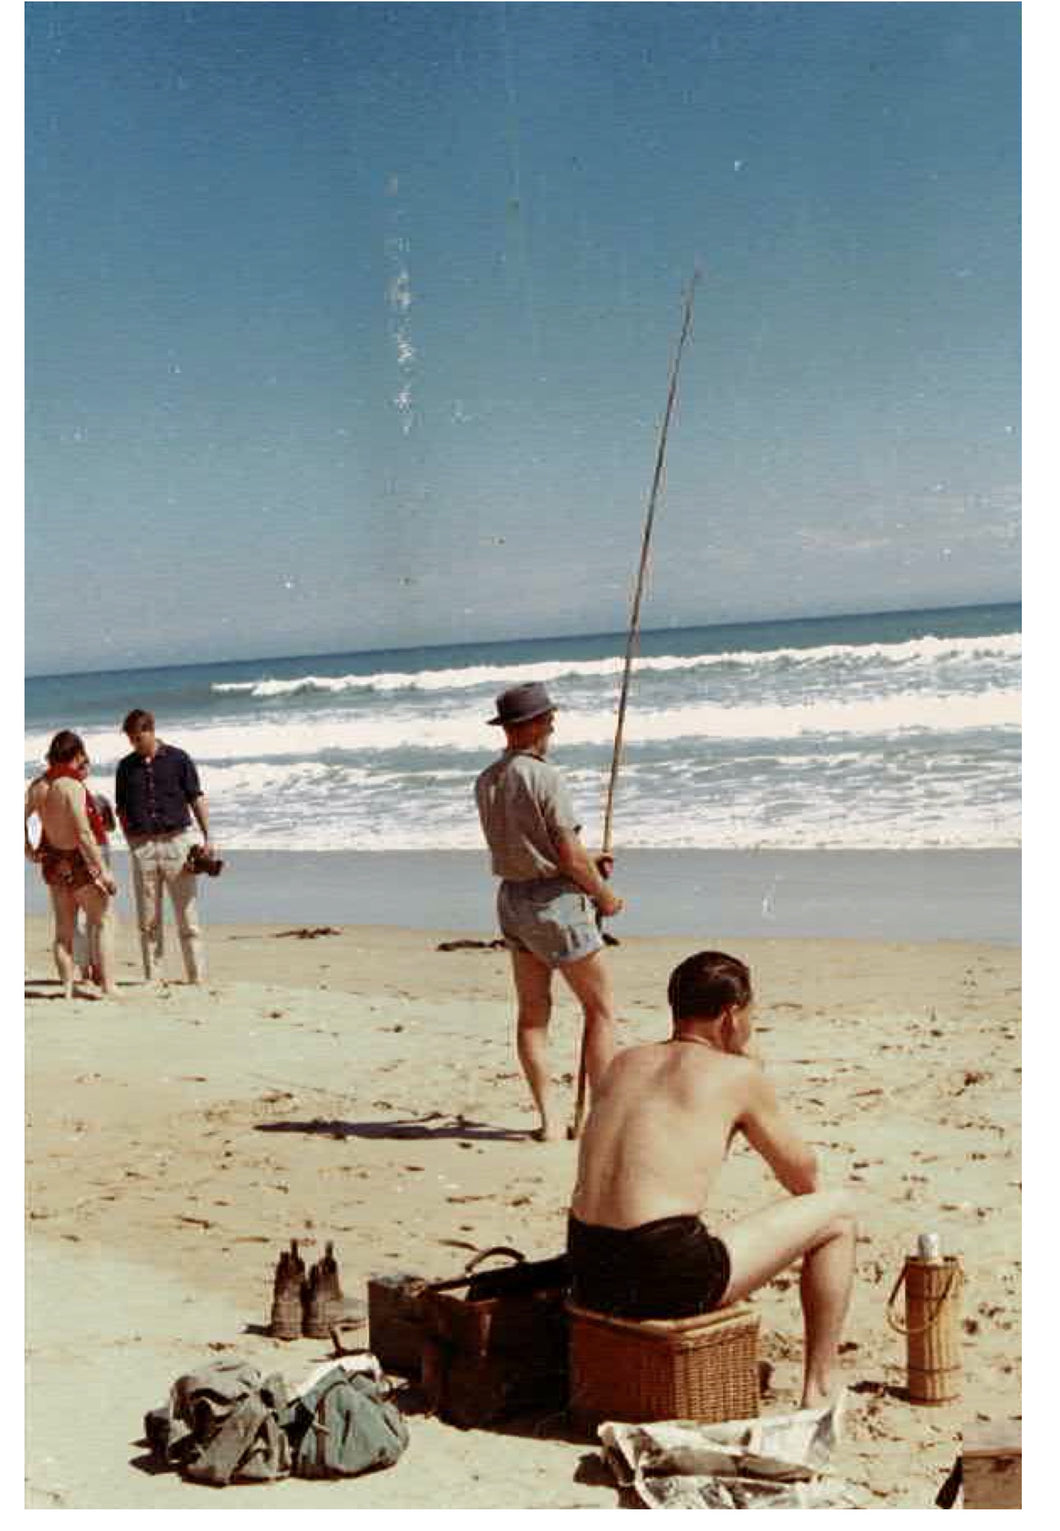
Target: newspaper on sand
(776, 1462)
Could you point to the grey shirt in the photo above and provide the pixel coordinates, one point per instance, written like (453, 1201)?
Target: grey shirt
(523, 804)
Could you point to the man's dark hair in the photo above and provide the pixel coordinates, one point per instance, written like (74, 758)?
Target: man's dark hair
(136, 721)
(706, 984)
(66, 746)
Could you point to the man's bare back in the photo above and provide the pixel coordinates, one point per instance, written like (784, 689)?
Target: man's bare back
(658, 1134)
(57, 807)
(662, 1126)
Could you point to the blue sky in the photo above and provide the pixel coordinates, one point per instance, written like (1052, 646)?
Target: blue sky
(348, 325)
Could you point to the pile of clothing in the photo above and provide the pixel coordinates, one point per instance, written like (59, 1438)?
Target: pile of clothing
(227, 1423)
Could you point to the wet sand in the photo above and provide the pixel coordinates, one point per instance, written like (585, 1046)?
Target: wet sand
(923, 895)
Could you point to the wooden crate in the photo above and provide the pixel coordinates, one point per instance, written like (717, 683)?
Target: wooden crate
(992, 1466)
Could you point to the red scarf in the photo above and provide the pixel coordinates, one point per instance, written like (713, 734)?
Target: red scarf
(95, 818)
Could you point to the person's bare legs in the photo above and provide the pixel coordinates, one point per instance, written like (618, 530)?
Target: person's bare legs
(84, 957)
(64, 914)
(590, 981)
(533, 988)
(97, 906)
(821, 1228)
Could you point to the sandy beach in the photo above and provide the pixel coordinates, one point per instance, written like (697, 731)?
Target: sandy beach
(362, 1086)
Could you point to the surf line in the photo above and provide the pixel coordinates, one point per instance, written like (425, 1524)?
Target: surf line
(634, 634)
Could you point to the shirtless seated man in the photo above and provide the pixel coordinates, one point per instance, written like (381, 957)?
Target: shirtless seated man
(657, 1134)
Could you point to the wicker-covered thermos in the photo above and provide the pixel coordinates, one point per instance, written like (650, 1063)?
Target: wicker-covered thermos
(931, 1325)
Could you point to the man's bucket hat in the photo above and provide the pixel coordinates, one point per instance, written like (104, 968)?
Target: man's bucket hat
(521, 703)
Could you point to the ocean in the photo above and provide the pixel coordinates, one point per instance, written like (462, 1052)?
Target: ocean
(898, 731)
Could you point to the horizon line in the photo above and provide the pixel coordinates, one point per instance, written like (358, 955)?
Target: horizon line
(468, 643)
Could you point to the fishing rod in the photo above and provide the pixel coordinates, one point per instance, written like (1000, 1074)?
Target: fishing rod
(634, 633)
(638, 595)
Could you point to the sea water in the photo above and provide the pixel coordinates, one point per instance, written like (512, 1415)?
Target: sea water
(898, 731)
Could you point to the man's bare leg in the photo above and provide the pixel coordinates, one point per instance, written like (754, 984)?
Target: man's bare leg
(821, 1228)
(96, 905)
(590, 980)
(64, 912)
(533, 987)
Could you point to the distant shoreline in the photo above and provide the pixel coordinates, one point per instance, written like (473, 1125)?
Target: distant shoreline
(902, 895)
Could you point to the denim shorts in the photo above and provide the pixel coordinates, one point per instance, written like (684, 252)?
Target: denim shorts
(550, 917)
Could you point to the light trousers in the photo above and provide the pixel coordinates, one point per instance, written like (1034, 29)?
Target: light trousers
(158, 863)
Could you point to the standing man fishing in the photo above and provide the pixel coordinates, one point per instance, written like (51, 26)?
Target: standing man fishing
(549, 884)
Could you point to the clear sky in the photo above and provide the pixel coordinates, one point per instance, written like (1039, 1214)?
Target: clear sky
(348, 325)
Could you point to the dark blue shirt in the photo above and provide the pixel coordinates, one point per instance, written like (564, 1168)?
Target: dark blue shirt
(152, 796)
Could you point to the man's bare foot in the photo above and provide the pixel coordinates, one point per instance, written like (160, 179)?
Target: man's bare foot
(547, 1133)
(822, 1399)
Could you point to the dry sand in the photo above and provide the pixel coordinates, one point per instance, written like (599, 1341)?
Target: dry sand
(363, 1087)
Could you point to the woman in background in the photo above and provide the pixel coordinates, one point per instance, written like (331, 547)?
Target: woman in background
(72, 861)
(86, 944)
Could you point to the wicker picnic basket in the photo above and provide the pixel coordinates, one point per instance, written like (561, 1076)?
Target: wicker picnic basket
(703, 1368)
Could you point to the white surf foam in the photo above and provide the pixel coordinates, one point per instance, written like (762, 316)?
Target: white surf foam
(308, 739)
(915, 652)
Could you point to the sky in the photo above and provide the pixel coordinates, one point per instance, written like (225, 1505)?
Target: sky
(348, 326)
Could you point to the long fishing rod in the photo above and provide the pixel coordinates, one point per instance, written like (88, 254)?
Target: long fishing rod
(649, 522)
(634, 631)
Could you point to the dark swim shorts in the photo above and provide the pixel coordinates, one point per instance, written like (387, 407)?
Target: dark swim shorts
(64, 869)
(671, 1268)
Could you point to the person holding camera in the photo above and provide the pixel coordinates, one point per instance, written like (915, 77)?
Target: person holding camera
(157, 794)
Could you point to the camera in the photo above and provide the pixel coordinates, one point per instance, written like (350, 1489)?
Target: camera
(198, 861)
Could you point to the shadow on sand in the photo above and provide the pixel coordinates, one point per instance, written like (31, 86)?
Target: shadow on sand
(881, 1390)
(51, 988)
(457, 1127)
